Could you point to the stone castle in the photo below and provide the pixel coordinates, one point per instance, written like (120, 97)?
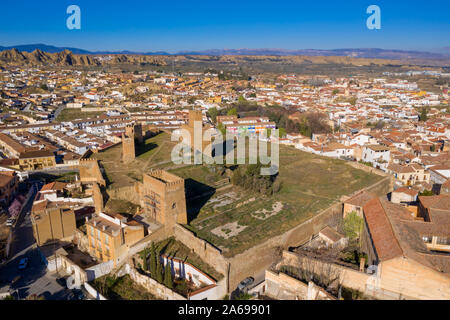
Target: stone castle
(163, 197)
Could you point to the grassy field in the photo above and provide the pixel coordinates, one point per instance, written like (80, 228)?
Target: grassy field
(122, 288)
(73, 114)
(236, 219)
(153, 153)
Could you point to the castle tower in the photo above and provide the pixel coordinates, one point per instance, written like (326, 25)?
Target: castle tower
(98, 198)
(138, 133)
(163, 197)
(128, 151)
(90, 172)
(197, 116)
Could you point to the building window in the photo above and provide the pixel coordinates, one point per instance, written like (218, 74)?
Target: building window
(427, 239)
(443, 241)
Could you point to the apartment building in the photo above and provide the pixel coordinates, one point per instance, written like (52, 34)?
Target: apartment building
(37, 160)
(52, 224)
(9, 182)
(377, 155)
(111, 235)
(403, 252)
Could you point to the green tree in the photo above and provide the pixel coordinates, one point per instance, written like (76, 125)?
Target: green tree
(335, 92)
(242, 99)
(159, 272)
(191, 100)
(168, 280)
(426, 193)
(282, 132)
(222, 129)
(213, 113)
(153, 259)
(423, 114)
(144, 260)
(232, 112)
(352, 226)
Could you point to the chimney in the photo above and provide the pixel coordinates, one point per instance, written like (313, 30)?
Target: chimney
(362, 262)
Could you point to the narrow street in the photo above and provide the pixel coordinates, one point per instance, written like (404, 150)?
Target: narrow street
(35, 279)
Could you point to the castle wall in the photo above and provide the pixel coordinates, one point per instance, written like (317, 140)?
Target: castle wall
(90, 172)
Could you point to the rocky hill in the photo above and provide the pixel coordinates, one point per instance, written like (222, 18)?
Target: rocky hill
(67, 58)
(286, 63)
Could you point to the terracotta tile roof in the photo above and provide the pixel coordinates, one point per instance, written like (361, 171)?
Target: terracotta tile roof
(395, 232)
(440, 202)
(406, 190)
(360, 198)
(331, 234)
(36, 154)
(381, 232)
(54, 186)
(5, 179)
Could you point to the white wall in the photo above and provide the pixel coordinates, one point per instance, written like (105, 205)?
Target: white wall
(99, 270)
(93, 292)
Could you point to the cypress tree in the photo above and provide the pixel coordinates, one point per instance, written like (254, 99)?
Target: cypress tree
(145, 264)
(168, 281)
(159, 272)
(153, 259)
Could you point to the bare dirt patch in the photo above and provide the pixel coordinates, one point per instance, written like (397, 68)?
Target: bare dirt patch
(264, 214)
(228, 230)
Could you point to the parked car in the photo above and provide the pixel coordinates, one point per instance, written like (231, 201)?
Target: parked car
(78, 294)
(62, 282)
(245, 283)
(23, 263)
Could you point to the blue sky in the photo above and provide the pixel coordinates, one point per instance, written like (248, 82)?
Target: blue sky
(147, 25)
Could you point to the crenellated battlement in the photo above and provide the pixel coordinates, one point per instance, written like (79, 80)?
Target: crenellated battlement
(169, 189)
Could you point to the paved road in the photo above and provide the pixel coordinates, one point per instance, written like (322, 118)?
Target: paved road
(58, 111)
(35, 279)
(259, 277)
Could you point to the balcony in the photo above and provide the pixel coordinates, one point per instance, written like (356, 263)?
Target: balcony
(438, 244)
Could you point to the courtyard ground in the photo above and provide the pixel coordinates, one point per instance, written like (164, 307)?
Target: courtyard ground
(234, 219)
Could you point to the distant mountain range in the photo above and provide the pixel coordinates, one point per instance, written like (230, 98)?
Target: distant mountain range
(371, 53)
